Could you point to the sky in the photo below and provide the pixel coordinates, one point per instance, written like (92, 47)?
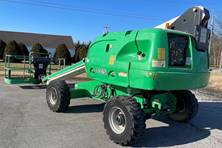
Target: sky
(86, 19)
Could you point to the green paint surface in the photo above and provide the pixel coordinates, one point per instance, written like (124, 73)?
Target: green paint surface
(113, 58)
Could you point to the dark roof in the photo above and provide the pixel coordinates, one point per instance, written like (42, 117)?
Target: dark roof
(47, 40)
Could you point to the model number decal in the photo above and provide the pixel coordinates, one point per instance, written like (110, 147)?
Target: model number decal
(101, 71)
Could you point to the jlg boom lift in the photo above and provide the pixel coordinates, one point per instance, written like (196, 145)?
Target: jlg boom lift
(139, 74)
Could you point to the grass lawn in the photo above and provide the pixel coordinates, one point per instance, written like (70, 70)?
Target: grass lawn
(215, 81)
(54, 68)
(21, 65)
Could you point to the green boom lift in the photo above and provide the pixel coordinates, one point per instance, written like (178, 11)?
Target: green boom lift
(140, 74)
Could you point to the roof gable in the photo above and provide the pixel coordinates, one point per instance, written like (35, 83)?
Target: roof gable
(47, 40)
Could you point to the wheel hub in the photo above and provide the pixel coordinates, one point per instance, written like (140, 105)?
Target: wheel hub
(117, 120)
(52, 96)
(120, 119)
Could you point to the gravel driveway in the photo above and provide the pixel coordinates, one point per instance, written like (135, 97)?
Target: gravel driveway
(26, 122)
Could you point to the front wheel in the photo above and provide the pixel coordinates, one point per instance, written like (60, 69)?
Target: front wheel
(58, 96)
(124, 120)
(186, 106)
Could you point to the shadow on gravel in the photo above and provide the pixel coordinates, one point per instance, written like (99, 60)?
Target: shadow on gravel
(33, 87)
(90, 108)
(209, 117)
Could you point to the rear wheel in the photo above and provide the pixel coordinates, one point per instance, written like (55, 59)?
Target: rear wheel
(58, 96)
(124, 120)
(186, 106)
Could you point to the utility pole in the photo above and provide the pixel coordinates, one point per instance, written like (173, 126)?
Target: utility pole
(106, 29)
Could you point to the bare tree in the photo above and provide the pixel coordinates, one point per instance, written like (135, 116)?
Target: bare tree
(216, 46)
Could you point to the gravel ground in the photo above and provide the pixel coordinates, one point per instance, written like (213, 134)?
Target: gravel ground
(26, 122)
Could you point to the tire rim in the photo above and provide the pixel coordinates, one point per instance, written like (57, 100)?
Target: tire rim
(117, 120)
(52, 96)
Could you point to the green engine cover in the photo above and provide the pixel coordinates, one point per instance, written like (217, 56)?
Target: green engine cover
(149, 59)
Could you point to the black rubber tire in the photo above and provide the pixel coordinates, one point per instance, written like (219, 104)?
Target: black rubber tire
(62, 96)
(189, 103)
(135, 120)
